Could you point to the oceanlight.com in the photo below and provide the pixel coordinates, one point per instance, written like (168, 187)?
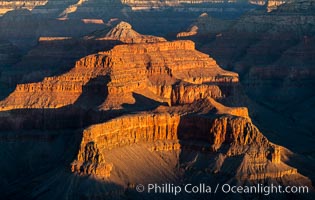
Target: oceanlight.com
(203, 188)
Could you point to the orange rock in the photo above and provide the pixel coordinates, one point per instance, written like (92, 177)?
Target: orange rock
(236, 136)
(152, 70)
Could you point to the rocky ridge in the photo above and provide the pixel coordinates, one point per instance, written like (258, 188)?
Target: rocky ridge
(170, 72)
(123, 32)
(50, 51)
(167, 93)
(6, 6)
(229, 135)
(76, 8)
(272, 51)
(269, 50)
(127, 69)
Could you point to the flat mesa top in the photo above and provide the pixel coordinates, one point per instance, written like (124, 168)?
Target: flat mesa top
(152, 47)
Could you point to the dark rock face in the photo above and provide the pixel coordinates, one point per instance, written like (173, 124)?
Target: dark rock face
(272, 54)
(26, 21)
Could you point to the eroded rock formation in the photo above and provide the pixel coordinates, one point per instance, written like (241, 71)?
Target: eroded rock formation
(123, 32)
(272, 53)
(215, 131)
(50, 51)
(91, 161)
(151, 70)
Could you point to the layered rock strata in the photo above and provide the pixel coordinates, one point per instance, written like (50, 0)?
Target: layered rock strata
(150, 70)
(50, 51)
(215, 131)
(84, 8)
(58, 91)
(272, 53)
(6, 6)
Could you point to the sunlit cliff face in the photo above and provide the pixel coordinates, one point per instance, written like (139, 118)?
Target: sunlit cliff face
(154, 62)
(72, 7)
(6, 6)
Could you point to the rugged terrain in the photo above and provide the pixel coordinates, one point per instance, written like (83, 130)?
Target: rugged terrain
(26, 21)
(89, 107)
(272, 54)
(83, 6)
(163, 71)
(156, 118)
(56, 55)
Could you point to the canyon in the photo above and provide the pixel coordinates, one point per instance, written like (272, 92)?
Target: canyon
(271, 52)
(71, 6)
(210, 92)
(166, 98)
(76, 18)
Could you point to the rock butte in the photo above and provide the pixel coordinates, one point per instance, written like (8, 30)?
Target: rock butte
(171, 72)
(217, 131)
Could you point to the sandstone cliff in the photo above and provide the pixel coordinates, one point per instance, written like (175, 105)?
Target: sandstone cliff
(54, 92)
(150, 70)
(274, 4)
(6, 6)
(215, 131)
(67, 8)
(41, 60)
